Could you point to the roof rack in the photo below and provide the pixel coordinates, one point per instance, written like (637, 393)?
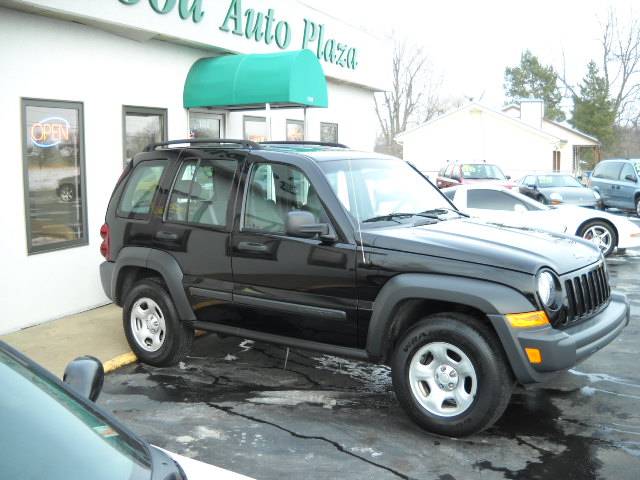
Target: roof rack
(190, 141)
(304, 142)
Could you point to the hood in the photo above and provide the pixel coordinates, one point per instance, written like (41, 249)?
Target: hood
(571, 194)
(196, 470)
(499, 183)
(474, 241)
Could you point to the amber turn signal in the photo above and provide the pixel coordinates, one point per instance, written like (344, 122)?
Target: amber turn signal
(534, 355)
(528, 319)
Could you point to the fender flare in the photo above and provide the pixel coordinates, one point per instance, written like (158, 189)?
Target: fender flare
(166, 266)
(488, 297)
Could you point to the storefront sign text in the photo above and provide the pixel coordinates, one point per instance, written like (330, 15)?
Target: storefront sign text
(261, 26)
(49, 132)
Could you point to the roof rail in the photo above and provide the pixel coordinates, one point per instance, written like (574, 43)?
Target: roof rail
(304, 142)
(190, 141)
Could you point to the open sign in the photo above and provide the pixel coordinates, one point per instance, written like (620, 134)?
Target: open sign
(49, 132)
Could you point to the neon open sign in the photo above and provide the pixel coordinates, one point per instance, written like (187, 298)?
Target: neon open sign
(50, 132)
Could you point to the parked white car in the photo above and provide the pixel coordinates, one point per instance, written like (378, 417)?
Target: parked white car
(499, 205)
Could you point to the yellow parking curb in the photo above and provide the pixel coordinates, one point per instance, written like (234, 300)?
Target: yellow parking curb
(119, 361)
(129, 358)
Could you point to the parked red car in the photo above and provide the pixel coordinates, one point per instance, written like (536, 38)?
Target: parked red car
(456, 173)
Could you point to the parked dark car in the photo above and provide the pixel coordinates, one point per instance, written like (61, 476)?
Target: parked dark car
(352, 254)
(53, 430)
(457, 173)
(558, 188)
(617, 183)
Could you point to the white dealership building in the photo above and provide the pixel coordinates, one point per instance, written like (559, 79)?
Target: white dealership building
(86, 84)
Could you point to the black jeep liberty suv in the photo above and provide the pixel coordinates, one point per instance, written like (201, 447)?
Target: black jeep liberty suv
(355, 254)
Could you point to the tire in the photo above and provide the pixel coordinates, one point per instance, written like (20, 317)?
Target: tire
(67, 193)
(601, 233)
(462, 337)
(152, 327)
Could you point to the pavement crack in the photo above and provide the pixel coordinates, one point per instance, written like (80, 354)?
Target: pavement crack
(336, 445)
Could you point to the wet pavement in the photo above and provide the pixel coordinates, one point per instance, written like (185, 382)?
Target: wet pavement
(233, 403)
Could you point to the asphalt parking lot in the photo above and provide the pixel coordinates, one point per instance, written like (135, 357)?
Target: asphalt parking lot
(233, 403)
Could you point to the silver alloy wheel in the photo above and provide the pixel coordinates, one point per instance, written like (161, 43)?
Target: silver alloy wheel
(147, 324)
(66, 193)
(443, 379)
(600, 236)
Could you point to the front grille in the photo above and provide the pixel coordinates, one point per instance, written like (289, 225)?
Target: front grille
(586, 293)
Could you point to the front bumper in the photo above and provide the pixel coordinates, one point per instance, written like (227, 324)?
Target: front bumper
(561, 349)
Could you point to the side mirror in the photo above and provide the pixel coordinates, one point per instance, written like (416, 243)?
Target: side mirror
(579, 177)
(508, 177)
(301, 223)
(631, 178)
(85, 375)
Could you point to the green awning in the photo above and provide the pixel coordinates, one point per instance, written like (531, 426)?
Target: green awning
(286, 79)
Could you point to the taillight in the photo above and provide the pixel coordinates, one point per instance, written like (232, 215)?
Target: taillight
(105, 246)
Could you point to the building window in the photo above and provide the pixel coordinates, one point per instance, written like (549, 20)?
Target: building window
(295, 130)
(329, 132)
(53, 172)
(142, 126)
(255, 128)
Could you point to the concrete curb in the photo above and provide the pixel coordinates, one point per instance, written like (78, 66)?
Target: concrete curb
(130, 357)
(119, 361)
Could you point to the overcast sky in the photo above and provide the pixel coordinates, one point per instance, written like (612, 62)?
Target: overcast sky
(471, 42)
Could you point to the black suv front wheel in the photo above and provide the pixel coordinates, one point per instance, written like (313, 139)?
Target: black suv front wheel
(152, 327)
(450, 375)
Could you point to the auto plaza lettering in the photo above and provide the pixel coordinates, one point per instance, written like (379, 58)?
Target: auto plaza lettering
(265, 27)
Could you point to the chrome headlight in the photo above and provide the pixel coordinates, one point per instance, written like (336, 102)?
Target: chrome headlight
(546, 285)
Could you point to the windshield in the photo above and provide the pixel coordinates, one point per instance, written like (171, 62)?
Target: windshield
(482, 171)
(558, 181)
(371, 188)
(46, 434)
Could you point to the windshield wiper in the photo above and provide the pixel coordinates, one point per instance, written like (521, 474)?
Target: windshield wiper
(437, 212)
(389, 217)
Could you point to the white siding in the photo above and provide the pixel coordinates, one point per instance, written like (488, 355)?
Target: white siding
(58, 60)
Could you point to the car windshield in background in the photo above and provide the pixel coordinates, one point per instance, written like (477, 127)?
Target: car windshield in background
(482, 171)
(545, 181)
(370, 189)
(47, 434)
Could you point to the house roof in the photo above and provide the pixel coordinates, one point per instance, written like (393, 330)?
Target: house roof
(562, 125)
(517, 122)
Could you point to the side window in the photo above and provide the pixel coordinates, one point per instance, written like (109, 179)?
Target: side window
(273, 191)
(492, 200)
(200, 194)
(450, 194)
(141, 188)
(529, 180)
(609, 170)
(627, 170)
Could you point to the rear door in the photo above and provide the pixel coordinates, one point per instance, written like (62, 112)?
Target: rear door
(605, 180)
(196, 226)
(626, 187)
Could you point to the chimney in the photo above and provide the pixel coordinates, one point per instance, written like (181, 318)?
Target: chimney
(532, 112)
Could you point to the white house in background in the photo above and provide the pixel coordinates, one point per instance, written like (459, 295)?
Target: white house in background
(518, 139)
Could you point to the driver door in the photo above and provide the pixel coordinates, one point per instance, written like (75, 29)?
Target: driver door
(296, 287)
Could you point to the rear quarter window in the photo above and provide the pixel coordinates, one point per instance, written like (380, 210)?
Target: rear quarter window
(141, 189)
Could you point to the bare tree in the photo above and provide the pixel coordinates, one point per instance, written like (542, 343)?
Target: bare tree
(621, 66)
(413, 97)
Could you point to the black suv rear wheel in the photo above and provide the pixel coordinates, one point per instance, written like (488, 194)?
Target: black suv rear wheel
(152, 327)
(450, 375)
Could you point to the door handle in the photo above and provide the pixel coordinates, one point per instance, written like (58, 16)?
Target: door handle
(161, 235)
(252, 247)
